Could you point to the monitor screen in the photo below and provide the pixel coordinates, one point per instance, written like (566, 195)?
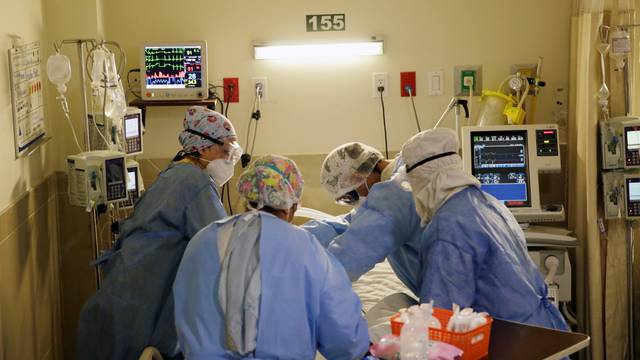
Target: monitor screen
(633, 196)
(131, 126)
(634, 189)
(500, 164)
(132, 181)
(173, 67)
(632, 133)
(114, 170)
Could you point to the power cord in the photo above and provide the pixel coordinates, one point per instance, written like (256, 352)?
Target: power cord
(229, 198)
(255, 116)
(384, 122)
(129, 87)
(415, 113)
(229, 93)
(213, 94)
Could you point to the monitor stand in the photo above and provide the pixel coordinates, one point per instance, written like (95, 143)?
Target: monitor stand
(548, 213)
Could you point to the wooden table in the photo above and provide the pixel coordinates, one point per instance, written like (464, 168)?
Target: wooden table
(512, 340)
(509, 339)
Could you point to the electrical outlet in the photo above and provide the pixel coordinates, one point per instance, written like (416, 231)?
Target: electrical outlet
(380, 79)
(466, 76)
(231, 90)
(260, 82)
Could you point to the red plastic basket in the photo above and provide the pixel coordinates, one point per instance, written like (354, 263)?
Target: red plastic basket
(474, 343)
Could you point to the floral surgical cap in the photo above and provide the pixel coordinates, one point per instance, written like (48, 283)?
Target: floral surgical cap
(272, 181)
(207, 122)
(347, 167)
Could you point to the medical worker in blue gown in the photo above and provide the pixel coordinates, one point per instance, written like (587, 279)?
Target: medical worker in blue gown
(255, 286)
(384, 223)
(133, 308)
(473, 251)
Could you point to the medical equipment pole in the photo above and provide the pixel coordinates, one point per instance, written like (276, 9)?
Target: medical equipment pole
(87, 140)
(94, 215)
(630, 258)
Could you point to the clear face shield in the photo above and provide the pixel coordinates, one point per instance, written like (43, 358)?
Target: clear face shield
(232, 151)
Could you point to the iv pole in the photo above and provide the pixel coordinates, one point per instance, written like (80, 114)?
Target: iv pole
(87, 138)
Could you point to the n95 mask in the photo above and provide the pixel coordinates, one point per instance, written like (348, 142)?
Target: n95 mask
(220, 170)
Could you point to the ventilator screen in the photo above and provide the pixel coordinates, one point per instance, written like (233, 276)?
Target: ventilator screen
(500, 164)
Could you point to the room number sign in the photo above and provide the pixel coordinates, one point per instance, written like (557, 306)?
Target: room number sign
(325, 22)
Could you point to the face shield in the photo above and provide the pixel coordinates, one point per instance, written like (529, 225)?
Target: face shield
(232, 151)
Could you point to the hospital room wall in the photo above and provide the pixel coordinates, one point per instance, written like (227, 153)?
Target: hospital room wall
(33, 200)
(316, 105)
(29, 295)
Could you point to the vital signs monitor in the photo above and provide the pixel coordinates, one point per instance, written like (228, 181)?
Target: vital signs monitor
(174, 71)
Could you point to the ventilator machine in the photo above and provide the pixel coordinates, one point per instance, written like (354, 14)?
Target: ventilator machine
(508, 161)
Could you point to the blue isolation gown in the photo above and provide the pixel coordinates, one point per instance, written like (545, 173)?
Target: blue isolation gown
(306, 301)
(133, 307)
(474, 254)
(386, 225)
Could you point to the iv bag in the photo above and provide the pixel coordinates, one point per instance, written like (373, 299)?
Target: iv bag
(59, 71)
(620, 47)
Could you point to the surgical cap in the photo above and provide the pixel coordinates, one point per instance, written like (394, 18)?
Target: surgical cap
(434, 170)
(347, 167)
(429, 143)
(207, 122)
(272, 181)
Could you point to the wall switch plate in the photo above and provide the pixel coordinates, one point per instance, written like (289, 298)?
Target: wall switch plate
(436, 82)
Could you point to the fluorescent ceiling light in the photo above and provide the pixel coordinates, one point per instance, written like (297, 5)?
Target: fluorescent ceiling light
(268, 52)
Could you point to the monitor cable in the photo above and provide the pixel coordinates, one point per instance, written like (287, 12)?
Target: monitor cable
(384, 122)
(255, 116)
(415, 113)
(228, 99)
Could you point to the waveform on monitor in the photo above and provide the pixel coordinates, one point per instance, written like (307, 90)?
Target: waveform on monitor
(161, 75)
(165, 66)
(164, 51)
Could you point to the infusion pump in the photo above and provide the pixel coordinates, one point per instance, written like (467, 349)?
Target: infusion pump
(96, 178)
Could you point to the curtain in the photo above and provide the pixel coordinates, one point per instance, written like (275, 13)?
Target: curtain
(583, 170)
(602, 283)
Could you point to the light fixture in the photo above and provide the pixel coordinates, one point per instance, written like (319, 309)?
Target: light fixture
(265, 51)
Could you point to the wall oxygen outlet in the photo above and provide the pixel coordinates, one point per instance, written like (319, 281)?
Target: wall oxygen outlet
(464, 76)
(260, 82)
(380, 79)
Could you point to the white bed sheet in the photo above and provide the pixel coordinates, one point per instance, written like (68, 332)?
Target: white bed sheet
(378, 283)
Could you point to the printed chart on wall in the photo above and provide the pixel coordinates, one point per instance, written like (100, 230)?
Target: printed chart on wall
(26, 96)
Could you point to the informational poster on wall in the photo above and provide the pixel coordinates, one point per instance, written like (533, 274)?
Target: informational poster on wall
(26, 96)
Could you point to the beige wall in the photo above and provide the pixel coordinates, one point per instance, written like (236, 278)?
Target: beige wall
(29, 276)
(25, 19)
(317, 105)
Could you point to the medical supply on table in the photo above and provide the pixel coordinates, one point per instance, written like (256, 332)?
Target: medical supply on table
(474, 342)
(414, 336)
(389, 349)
